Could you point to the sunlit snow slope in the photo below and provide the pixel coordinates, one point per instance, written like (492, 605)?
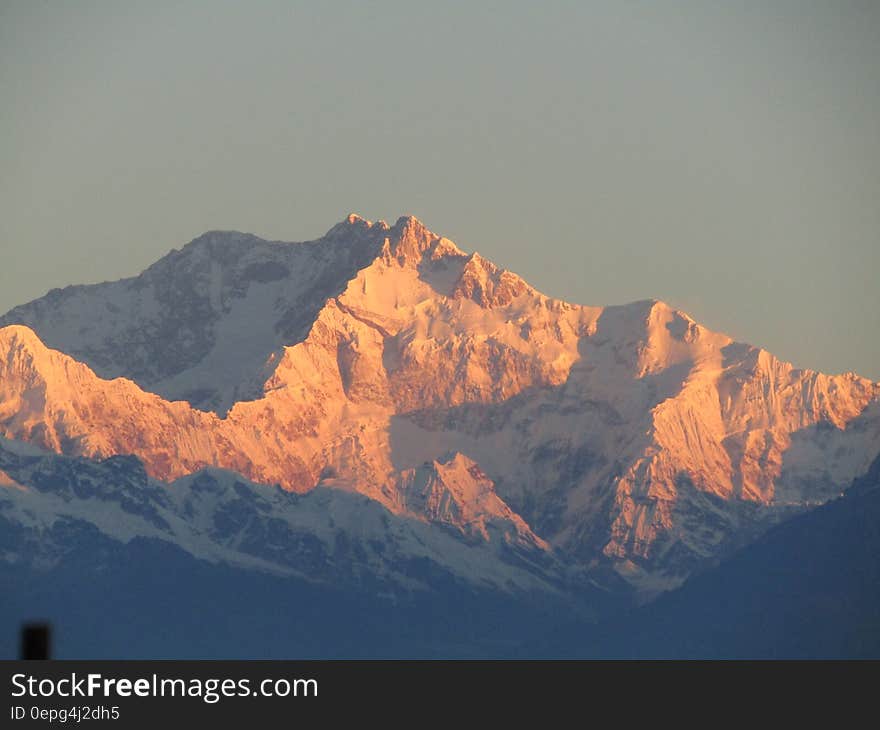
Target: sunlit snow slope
(383, 360)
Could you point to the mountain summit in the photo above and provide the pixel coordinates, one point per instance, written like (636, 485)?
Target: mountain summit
(383, 360)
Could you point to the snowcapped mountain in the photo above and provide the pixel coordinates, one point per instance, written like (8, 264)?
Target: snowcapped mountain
(330, 535)
(200, 324)
(384, 361)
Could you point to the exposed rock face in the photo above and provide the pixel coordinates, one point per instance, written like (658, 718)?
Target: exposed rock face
(442, 387)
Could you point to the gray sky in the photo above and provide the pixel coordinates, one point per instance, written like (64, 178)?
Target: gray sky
(722, 156)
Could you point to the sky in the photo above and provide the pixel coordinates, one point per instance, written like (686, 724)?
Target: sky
(721, 156)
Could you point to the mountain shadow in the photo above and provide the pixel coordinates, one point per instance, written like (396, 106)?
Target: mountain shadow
(809, 588)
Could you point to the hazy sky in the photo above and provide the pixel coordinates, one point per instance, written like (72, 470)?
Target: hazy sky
(724, 157)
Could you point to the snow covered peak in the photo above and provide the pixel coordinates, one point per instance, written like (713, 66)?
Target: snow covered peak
(355, 227)
(363, 359)
(487, 284)
(410, 221)
(27, 360)
(201, 323)
(453, 491)
(408, 240)
(17, 335)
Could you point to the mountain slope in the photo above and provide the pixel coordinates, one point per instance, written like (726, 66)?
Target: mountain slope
(200, 324)
(628, 435)
(809, 588)
(330, 536)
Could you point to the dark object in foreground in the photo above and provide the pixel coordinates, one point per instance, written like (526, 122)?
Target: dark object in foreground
(36, 641)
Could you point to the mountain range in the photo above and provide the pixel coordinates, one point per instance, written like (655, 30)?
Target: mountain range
(378, 412)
